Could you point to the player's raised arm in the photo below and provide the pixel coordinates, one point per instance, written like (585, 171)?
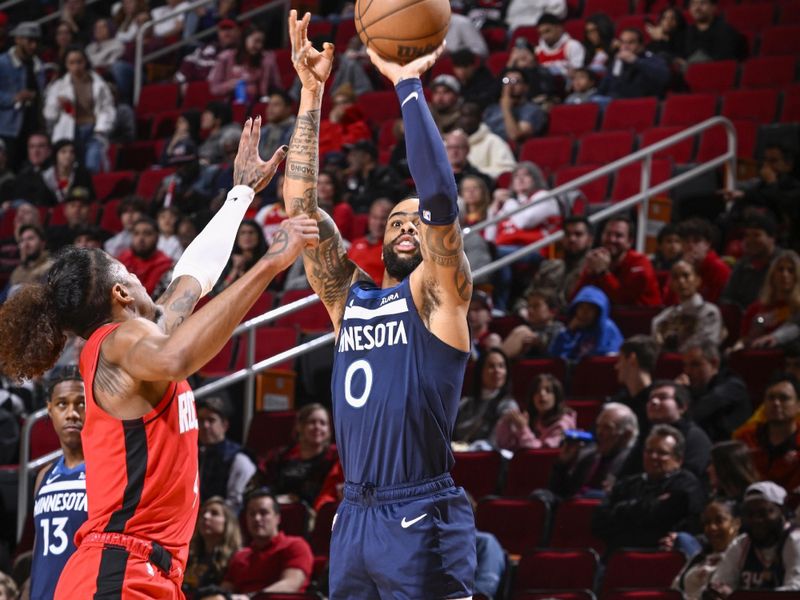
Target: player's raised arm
(444, 276)
(328, 269)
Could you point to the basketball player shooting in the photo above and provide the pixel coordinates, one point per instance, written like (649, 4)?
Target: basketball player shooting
(403, 530)
(140, 430)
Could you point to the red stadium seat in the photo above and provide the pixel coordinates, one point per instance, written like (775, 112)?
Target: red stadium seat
(311, 318)
(197, 95)
(688, 109)
(756, 366)
(713, 142)
(573, 119)
(113, 184)
(586, 411)
(283, 57)
(163, 125)
(150, 181)
(529, 470)
(632, 22)
(345, 30)
(262, 305)
(680, 153)
(750, 17)
(758, 105)
(789, 12)
(762, 595)
(294, 518)
(732, 319)
(781, 41)
(790, 111)
(477, 472)
(270, 429)
(109, 220)
(43, 438)
(495, 37)
(274, 340)
(613, 8)
(550, 594)
(642, 569)
(320, 537)
(517, 523)
(596, 191)
(379, 107)
(638, 114)
(529, 32)
(594, 376)
(627, 181)
(668, 366)
(524, 371)
(644, 595)
(554, 569)
(572, 525)
(768, 71)
(497, 61)
(157, 97)
(634, 320)
(715, 77)
(137, 156)
(225, 361)
(551, 153)
(602, 147)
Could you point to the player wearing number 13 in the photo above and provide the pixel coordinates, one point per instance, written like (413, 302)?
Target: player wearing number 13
(59, 506)
(403, 530)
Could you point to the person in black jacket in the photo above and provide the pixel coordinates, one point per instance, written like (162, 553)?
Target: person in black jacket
(709, 37)
(643, 508)
(635, 72)
(720, 402)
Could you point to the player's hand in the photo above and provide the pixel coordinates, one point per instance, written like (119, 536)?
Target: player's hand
(395, 72)
(289, 241)
(313, 67)
(248, 168)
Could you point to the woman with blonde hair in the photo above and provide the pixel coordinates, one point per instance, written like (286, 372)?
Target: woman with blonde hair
(771, 320)
(475, 194)
(216, 538)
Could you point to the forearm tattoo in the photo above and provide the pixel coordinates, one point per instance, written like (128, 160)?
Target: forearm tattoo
(280, 242)
(444, 246)
(302, 159)
(176, 307)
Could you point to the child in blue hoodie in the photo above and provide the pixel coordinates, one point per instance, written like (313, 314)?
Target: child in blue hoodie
(590, 331)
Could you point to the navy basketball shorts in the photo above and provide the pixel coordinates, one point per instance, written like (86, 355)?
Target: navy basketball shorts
(406, 542)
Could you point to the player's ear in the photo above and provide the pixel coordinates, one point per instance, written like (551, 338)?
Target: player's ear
(120, 294)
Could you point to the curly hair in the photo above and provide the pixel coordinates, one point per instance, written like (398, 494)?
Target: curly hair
(75, 299)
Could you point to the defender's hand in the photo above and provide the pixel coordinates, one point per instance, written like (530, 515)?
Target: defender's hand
(248, 168)
(295, 234)
(313, 67)
(396, 73)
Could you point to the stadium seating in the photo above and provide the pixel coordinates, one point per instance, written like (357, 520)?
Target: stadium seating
(573, 119)
(529, 470)
(517, 523)
(270, 429)
(680, 153)
(550, 153)
(572, 525)
(556, 569)
(711, 77)
(638, 114)
(641, 569)
(688, 109)
(601, 147)
(477, 472)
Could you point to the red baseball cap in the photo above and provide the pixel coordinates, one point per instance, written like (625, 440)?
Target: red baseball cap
(227, 24)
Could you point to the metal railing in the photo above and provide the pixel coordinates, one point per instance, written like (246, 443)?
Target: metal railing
(249, 327)
(54, 15)
(647, 190)
(140, 58)
(26, 465)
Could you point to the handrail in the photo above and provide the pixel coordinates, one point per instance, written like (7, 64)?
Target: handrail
(642, 197)
(26, 465)
(53, 15)
(140, 58)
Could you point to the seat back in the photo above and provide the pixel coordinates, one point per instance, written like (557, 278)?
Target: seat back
(477, 472)
(642, 569)
(270, 429)
(572, 525)
(529, 470)
(554, 569)
(517, 523)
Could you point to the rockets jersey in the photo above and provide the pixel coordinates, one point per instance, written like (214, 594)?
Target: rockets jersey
(396, 389)
(141, 474)
(59, 509)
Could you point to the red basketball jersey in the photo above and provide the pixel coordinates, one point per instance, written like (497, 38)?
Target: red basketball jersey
(141, 474)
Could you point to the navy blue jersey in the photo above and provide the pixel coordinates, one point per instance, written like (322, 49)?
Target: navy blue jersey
(59, 510)
(396, 389)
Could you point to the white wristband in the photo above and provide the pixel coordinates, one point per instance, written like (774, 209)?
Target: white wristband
(207, 255)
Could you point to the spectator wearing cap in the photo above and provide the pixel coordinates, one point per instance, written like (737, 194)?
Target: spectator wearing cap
(345, 124)
(556, 50)
(367, 251)
(521, 13)
(277, 128)
(457, 145)
(21, 86)
(366, 180)
(748, 275)
(514, 117)
(488, 152)
(197, 65)
(77, 208)
(66, 173)
(224, 466)
(80, 106)
(642, 508)
(249, 63)
(215, 120)
(145, 260)
(477, 81)
(129, 211)
(35, 261)
(775, 443)
(445, 102)
(767, 556)
(635, 72)
(462, 33)
(709, 37)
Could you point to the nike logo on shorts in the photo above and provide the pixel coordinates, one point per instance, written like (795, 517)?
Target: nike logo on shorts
(406, 524)
(412, 95)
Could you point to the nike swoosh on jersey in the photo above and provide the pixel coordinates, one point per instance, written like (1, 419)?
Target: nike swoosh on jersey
(50, 479)
(412, 95)
(406, 524)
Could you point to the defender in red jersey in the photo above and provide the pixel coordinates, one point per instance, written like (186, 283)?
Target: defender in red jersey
(140, 432)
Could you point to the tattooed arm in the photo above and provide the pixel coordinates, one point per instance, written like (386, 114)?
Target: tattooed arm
(328, 269)
(177, 303)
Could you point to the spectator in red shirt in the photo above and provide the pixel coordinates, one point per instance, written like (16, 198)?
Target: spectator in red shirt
(367, 252)
(697, 237)
(625, 275)
(145, 260)
(273, 561)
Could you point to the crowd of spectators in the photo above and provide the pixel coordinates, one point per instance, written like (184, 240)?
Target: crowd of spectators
(670, 458)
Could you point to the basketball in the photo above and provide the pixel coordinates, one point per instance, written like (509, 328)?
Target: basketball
(402, 30)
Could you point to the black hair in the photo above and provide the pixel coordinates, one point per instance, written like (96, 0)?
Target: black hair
(477, 380)
(622, 219)
(784, 376)
(131, 203)
(579, 219)
(605, 29)
(219, 404)
(60, 374)
(148, 220)
(669, 431)
(221, 111)
(463, 57)
(637, 32)
(697, 227)
(668, 229)
(76, 298)
(549, 19)
(80, 50)
(589, 73)
(682, 395)
(242, 55)
(31, 227)
(761, 221)
(645, 348)
(284, 96)
(262, 492)
(559, 405)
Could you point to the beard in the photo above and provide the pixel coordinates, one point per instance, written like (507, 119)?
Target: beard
(397, 267)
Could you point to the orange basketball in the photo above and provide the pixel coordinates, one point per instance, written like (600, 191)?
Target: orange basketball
(402, 30)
